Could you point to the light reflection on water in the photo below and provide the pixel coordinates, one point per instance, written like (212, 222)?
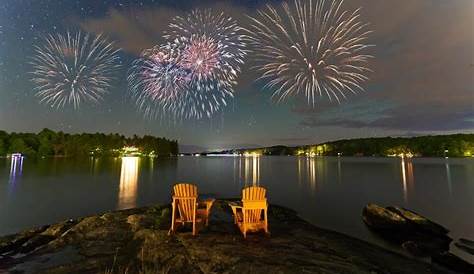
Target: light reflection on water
(127, 196)
(312, 170)
(407, 178)
(248, 169)
(448, 178)
(16, 170)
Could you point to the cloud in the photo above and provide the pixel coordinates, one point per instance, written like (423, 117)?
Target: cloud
(386, 115)
(136, 29)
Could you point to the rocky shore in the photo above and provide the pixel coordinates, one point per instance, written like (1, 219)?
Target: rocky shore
(418, 235)
(136, 241)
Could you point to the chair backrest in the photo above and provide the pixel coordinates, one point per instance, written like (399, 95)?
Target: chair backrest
(185, 196)
(253, 193)
(253, 202)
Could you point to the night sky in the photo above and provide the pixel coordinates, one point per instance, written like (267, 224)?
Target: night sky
(423, 79)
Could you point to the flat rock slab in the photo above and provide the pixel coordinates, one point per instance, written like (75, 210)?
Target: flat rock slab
(137, 241)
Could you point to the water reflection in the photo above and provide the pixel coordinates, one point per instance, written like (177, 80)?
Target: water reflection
(94, 165)
(407, 178)
(310, 170)
(16, 169)
(128, 182)
(249, 167)
(448, 176)
(339, 172)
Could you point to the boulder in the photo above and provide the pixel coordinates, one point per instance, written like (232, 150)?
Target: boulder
(419, 221)
(11, 244)
(467, 242)
(465, 245)
(417, 234)
(451, 261)
(413, 248)
(379, 218)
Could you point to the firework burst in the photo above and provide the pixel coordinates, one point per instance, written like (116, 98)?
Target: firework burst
(201, 57)
(213, 52)
(311, 47)
(160, 83)
(203, 30)
(193, 74)
(72, 69)
(156, 80)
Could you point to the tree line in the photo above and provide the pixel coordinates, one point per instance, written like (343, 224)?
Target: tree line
(455, 145)
(51, 143)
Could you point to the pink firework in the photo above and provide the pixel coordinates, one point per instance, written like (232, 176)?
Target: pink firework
(201, 57)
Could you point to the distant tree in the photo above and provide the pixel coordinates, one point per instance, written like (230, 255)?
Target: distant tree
(46, 138)
(18, 145)
(3, 151)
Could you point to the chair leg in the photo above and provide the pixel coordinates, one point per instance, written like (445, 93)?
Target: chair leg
(266, 221)
(194, 219)
(172, 219)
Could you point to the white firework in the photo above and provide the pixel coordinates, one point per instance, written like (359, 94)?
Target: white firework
(310, 47)
(73, 69)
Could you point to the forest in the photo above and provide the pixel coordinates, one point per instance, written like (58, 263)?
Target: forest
(455, 145)
(50, 143)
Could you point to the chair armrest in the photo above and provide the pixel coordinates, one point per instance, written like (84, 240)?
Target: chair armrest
(206, 203)
(234, 206)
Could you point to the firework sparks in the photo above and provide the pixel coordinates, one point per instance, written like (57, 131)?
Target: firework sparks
(202, 57)
(157, 81)
(161, 86)
(213, 52)
(72, 69)
(193, 74)
(310, 47)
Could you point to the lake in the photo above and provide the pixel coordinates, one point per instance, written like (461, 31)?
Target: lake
(327, 191)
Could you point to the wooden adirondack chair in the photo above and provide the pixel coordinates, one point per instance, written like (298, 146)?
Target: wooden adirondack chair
(251, 215)
(186, 208)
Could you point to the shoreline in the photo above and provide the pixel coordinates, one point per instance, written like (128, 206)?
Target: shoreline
(135, 239)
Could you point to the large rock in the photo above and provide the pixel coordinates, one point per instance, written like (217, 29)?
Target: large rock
(12, 244)
(465, 245)
(380, 218)
(453, 262)
(420, 222)
(417, 234)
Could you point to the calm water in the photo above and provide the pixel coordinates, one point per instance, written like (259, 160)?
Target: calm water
(329, 192)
